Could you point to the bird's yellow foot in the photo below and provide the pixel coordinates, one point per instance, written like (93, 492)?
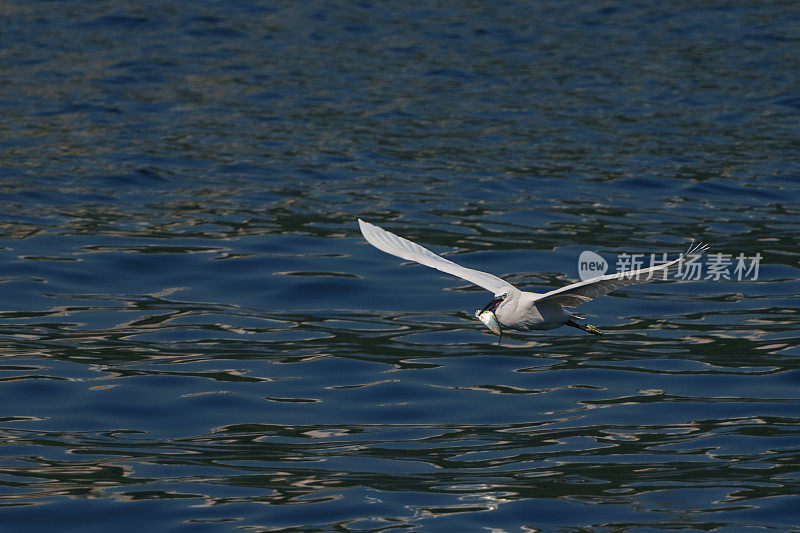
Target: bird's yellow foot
(593, 329)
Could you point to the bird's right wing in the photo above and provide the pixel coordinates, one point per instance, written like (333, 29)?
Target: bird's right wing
(583, 291)
(405, 249)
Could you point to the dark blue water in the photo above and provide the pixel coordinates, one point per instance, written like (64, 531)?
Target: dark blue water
(195, 337)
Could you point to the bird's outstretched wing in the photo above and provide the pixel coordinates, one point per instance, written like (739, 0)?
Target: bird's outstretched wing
(578, 293)
(392, 244)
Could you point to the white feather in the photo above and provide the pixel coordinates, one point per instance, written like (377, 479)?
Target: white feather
(405, 249)
(584, 291)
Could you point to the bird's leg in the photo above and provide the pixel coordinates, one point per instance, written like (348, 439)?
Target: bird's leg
(585, 327)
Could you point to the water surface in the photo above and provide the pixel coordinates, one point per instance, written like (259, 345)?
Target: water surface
(195, 336)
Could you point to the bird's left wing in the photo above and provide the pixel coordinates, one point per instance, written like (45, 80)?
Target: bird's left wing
(584, 291)
(403, 248)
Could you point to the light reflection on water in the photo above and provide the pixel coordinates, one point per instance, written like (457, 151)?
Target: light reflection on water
(484, 464)
(676, 414)
(194, 333)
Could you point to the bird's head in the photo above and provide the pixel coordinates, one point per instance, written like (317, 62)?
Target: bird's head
(496, 302)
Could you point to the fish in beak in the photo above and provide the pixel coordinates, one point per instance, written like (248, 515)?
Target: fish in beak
(487, 316)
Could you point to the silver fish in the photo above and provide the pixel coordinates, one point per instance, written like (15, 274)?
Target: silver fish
(490, 319)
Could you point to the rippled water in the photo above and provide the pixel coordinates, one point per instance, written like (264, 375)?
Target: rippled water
(195, 336)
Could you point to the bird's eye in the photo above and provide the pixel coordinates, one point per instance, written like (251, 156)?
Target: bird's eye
(503, 296)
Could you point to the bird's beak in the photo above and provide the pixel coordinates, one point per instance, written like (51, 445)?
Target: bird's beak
(491, 306)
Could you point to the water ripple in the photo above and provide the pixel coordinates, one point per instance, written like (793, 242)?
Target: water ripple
(194, 333)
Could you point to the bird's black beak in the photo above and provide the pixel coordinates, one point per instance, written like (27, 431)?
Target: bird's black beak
(491, 306)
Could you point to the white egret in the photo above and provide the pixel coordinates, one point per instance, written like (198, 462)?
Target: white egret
(521, 310)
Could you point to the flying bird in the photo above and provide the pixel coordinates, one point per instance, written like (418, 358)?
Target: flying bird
(519, 310)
